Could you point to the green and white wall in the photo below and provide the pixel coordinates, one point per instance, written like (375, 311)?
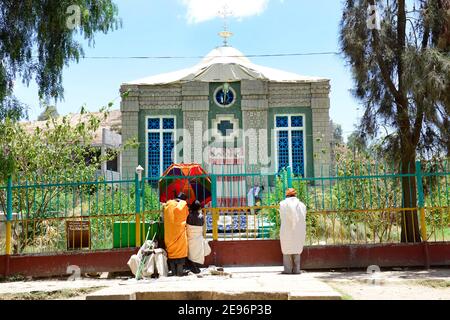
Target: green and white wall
(257, 104)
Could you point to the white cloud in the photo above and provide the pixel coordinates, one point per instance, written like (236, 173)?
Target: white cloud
(204, 10)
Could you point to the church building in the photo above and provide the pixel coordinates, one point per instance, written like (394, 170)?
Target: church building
(230, 115)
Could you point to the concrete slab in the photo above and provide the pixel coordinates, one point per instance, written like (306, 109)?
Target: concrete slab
(242, 284)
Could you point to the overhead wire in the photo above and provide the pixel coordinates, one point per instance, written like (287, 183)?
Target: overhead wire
(201, 57)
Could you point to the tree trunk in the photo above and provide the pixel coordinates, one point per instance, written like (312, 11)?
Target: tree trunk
(410, 222)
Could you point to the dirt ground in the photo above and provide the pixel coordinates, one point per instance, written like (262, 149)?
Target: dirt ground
(390, 285)
(398, 284)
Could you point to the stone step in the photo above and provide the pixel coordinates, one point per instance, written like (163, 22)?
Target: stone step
(256, 284)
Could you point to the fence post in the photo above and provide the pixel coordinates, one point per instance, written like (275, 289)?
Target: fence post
(215, 216)
(289, 177)
(138, 210)
(9, 216)
(214, 211)
(214, 191)
(421, 201)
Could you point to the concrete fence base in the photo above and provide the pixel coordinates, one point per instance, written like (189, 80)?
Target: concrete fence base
(241, 253)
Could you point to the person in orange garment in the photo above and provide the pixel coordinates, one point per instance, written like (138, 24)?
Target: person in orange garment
(175, 238)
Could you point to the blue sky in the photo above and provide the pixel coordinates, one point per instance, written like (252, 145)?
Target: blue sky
(188, 28)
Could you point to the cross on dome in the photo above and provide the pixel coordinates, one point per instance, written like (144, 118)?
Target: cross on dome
(225, 34)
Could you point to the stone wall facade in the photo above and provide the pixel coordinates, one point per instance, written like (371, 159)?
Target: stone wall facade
(195, 109)
(320, 105)
(259, 99)
(130, 118)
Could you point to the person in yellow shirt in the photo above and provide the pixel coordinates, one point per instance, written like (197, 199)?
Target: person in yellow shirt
(175, 238)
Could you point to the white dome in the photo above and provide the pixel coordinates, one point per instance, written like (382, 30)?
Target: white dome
(225, 64)
(228, 53)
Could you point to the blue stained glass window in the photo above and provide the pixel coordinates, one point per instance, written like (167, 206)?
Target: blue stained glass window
(154, 124)
(168, 146)
(154, 154)
(168, 123)
(298, 153)
(282, 122)
(297, 122)
(283, 150)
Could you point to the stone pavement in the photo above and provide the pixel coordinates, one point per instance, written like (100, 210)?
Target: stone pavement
(257, 283)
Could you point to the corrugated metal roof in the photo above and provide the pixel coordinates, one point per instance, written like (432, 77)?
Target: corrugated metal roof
(113, 122)
(225, 64)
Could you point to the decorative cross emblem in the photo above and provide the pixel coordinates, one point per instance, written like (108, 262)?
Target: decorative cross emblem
(225, 127)
(225, 34)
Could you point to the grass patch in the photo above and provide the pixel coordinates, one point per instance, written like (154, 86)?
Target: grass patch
(345, 295)
(433, 283)
(15, 278)
(447, 234)
(49, 295)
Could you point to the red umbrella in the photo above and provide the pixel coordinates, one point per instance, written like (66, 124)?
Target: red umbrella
(191, 179)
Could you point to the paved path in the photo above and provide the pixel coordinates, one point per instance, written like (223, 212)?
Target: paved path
(401, 284)
(241, 284)
(53, 285)
(389, 284)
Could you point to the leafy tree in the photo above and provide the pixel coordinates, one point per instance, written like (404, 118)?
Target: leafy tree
(356, 143)
(47, 161)
(49, 113)
(337, 133)
(336, 140)
(401, 70)
(59, 148)
(38, 38)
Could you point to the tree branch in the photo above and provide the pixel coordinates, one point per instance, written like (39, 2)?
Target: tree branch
(401, 39)
(417, 129)
(382, 65)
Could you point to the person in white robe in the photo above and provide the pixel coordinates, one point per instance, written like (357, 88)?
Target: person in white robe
(198, 247)
(251, 196)
(292, 231)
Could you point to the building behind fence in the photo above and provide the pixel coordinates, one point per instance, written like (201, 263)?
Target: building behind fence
(359, 204)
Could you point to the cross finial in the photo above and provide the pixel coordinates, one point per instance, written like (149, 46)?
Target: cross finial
(225, 34)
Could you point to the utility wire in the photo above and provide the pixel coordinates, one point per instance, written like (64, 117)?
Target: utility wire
(201, 57)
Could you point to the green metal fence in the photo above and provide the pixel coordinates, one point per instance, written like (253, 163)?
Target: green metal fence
(358, 204)
(364, 203)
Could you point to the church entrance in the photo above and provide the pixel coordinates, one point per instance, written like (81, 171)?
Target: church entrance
(227, 155)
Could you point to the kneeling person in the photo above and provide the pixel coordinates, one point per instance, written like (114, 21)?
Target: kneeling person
(198, 248)
(175, 214)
